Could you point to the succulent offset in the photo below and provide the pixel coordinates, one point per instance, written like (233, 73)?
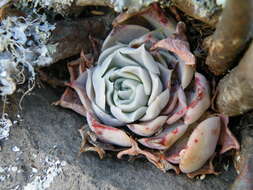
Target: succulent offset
(144, 90)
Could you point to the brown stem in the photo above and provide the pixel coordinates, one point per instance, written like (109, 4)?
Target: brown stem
(235, 90)
(93, 3)
(200, 10)
(231, 35)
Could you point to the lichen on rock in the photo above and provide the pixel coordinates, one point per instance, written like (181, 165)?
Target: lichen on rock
(22, 45)
(59, 6)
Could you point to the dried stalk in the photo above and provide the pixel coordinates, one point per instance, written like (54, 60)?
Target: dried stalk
(206, 11)
(231, 35)
(235, 90)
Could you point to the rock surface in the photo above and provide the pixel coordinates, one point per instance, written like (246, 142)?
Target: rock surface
(42, 153)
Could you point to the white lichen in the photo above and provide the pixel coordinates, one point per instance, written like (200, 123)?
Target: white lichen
(59, 6)
(5, 125)
(22, 45)
(221, 3)
(130, 5)
(205, 8)
(44, 181)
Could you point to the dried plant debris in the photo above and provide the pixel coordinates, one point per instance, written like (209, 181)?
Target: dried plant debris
(207, 11)
(23, 45)
(235, 90)
(231, 36)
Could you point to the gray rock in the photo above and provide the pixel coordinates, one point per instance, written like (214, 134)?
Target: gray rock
(47, 132)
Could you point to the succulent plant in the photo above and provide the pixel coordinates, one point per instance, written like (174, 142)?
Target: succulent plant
(144, 91)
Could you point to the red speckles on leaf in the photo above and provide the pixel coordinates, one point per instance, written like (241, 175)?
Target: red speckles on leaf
(200, 95)
(196, 140)
(157, 11)
(163, 20)
(98, 126)
(175, 131)
(181, 111)
(164, 141)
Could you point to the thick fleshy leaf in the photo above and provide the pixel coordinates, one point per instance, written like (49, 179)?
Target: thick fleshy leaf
(128, 117)
(208, 168)
(106, 133)
(148, 39)
(143, 57)
(109, 51)
(178, 44)
(157, 87)
(165, 76)
(181, 108)
(148, 128)
(201, 145)
(165, 58)
(154, 16)
(158, 20)
(137, 72)
(116, 60)
(156, 106)
(167, 138)
(199, 100)
(139, 100)
(227, 140)
(99, 88)
(186, 73)
(79, 85)
(70, 100)
(180, 47)
(123, 34)
(89, 87)
(106, 118)
(173, 153)
(171, 104)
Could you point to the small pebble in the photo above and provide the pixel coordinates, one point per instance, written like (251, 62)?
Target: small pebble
(202, 177)
(34, 170)
(2, 178)
(2, 170)
(14, 169)
(63, 163)
(15, 149)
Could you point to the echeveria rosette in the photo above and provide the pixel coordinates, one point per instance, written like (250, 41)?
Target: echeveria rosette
(144, 89)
